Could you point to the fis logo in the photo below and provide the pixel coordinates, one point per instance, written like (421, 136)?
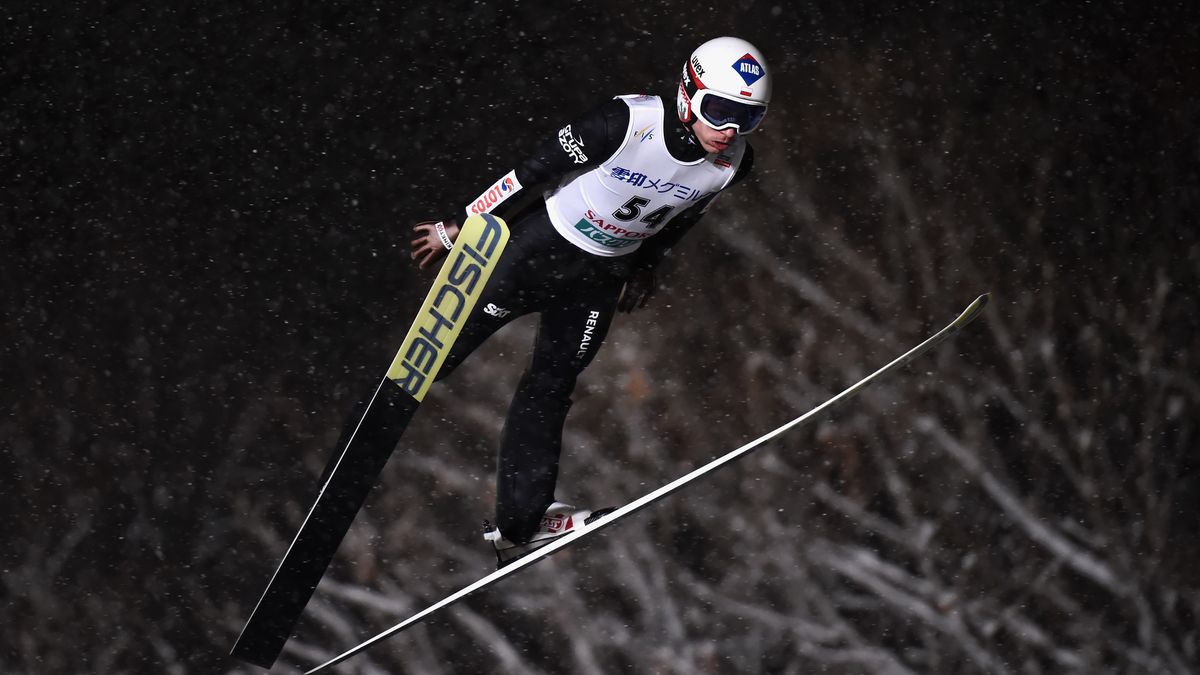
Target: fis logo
(645, 133)
(749, 69)
(454, 293)
(498, 192)
(572, 145)
(499, 312)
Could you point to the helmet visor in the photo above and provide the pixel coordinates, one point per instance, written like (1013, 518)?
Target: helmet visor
(721, 113)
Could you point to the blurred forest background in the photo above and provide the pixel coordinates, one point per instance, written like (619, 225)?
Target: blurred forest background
(206, 213)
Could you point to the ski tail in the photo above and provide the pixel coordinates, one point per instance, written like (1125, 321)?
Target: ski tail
(350, 474)
(611, 517)
(328, 520)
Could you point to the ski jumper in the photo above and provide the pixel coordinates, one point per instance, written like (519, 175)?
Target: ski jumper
(621, 185)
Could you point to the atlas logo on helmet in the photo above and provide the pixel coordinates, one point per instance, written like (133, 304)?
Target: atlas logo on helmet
(750, 70)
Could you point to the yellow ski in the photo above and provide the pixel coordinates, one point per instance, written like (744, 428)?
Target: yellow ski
(354, 470)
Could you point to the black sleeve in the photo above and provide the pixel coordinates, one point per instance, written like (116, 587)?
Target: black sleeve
(655, 249)
(583, 144)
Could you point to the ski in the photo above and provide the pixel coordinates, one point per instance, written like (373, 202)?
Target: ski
(967, 315)
(354, 469)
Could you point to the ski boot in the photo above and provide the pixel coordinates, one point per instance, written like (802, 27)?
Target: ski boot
(560, 519)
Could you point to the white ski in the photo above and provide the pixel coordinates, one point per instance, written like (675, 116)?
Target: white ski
(968, 315)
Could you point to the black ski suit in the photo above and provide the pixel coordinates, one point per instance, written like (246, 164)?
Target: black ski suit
(575, 291)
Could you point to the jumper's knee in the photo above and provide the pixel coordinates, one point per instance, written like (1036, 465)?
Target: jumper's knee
(546, 388)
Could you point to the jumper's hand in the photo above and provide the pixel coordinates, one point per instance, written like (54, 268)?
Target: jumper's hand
(638, 290)
(432, 241)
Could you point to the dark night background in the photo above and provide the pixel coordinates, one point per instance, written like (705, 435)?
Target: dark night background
(204, 265)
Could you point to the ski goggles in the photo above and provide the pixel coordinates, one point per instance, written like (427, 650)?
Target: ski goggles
(720, 113)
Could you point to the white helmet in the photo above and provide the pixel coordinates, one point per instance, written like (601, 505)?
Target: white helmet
(725, 84)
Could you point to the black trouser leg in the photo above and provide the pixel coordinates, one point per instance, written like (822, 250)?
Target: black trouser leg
(569, 335)
(529, 450)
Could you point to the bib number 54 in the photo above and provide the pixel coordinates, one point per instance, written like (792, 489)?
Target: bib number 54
(633, 208)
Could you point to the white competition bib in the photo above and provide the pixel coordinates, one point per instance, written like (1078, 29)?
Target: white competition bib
(611, 209)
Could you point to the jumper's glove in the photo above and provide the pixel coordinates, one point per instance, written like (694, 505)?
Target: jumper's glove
(638, 289)
(433, 239)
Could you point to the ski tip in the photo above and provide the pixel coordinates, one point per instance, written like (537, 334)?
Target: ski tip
(972, 311)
